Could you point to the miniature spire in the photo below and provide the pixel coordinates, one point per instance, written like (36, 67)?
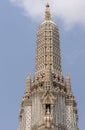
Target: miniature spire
(28, 84)
(26, 100)
(47, 12)
(68, 84)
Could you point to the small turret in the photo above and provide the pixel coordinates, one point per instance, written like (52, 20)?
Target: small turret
(26, 100)
(28, 85)
(68, 84)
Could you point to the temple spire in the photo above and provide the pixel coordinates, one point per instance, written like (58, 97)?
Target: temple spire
(48, 45)
(47, 12)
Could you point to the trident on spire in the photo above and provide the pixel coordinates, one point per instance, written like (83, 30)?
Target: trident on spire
(47, 12)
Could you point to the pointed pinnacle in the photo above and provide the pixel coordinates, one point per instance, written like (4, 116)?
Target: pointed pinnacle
(47, 12)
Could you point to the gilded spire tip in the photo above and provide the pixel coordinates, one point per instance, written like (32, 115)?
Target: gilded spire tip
(47, 5)
(47, 12)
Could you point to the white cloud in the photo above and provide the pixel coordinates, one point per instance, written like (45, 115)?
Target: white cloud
(71, 12)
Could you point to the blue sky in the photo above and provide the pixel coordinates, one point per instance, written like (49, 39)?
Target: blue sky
(18, 30)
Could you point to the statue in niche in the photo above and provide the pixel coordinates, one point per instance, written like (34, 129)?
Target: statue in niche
(48, 119)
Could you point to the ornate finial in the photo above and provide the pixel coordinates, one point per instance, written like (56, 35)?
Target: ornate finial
(47, 12)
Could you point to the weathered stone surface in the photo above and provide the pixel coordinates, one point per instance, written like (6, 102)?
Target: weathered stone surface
(48, 101)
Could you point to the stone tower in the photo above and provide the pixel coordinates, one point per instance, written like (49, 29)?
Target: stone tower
(48, 101)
